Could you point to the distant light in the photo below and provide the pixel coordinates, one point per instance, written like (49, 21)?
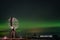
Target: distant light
(46, 36)
(5, 37)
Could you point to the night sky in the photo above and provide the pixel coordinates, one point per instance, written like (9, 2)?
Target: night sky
(31, 13)
(30, 9)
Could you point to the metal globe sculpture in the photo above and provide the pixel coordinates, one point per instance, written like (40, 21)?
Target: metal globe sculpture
(13, 23)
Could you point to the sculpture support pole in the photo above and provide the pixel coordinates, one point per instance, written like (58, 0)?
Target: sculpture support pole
(13, 33)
